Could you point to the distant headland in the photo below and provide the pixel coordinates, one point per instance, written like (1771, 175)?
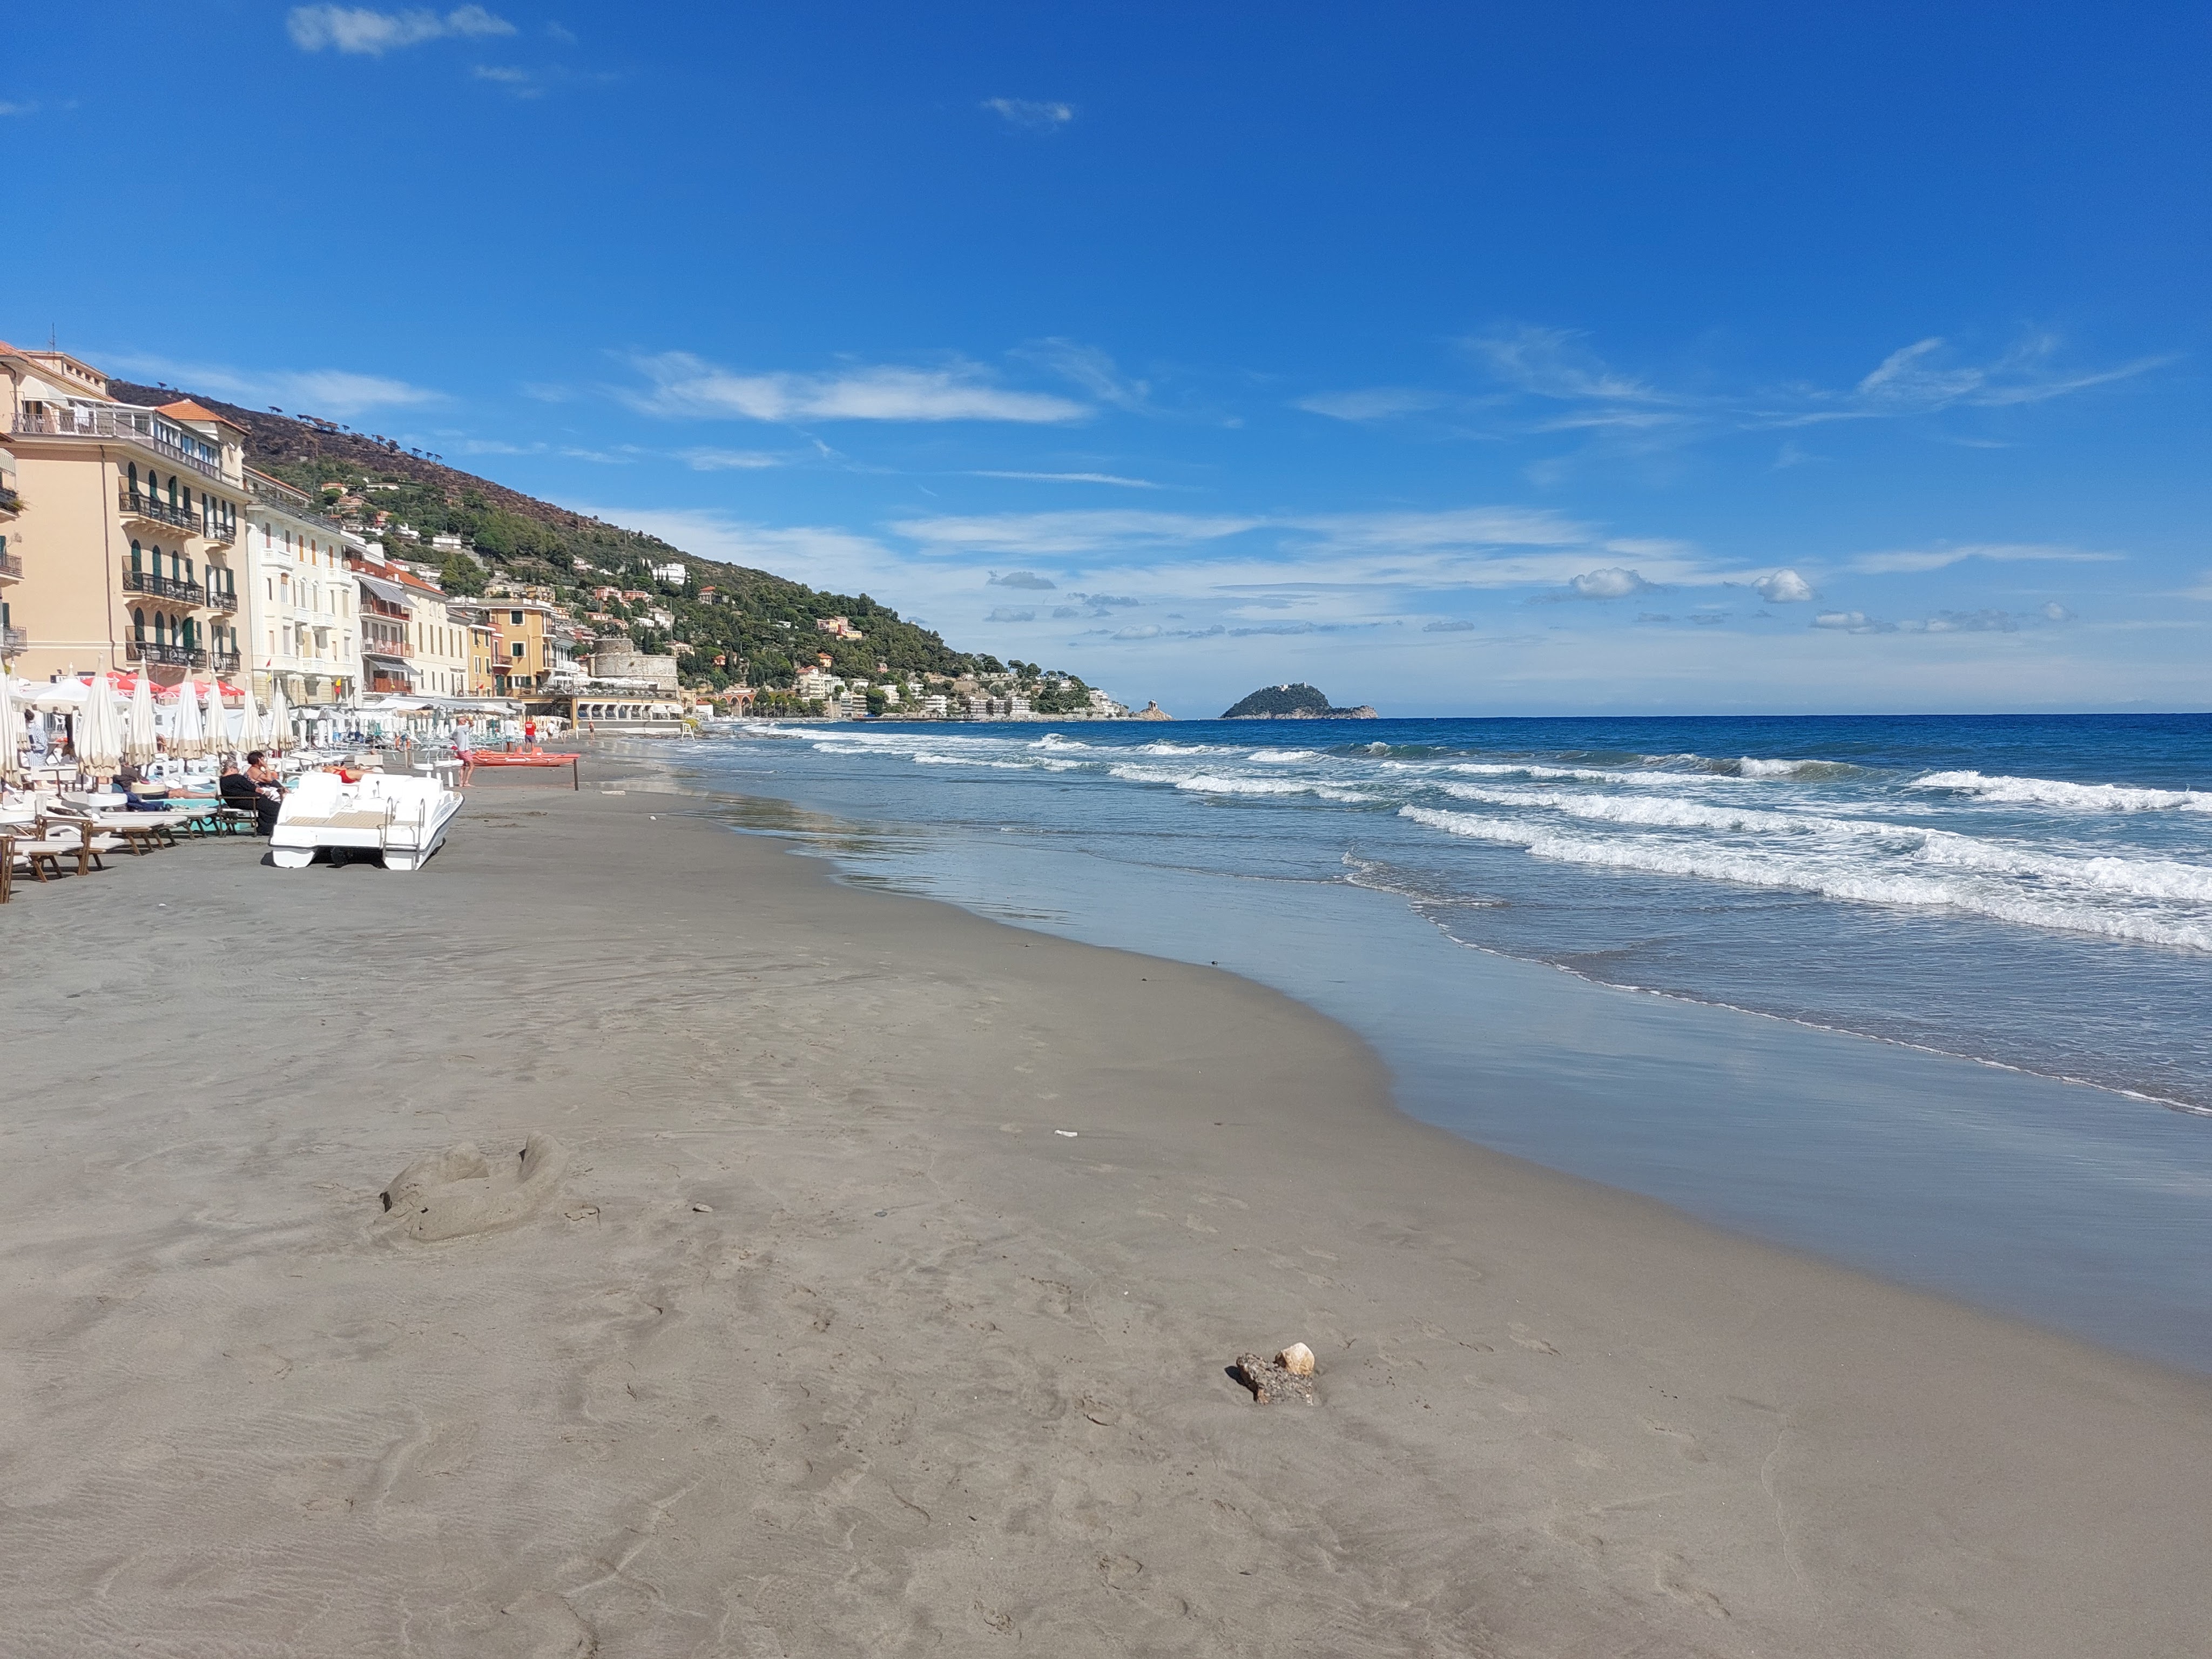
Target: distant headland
(1293, 702)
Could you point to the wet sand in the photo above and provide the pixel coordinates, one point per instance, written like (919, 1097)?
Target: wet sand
(828, 1339)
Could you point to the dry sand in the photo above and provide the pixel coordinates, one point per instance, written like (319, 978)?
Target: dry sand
(925, 1374)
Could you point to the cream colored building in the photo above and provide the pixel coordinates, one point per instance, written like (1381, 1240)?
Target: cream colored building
(122, 546)
(12, 638)
(438, 642)
(302, 623)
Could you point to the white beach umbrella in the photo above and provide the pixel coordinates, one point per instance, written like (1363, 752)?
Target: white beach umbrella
(99, 729)
(280, 717)
(249, 717)
(139, 745)
(188, 737)
(11, 732)
(218, 723)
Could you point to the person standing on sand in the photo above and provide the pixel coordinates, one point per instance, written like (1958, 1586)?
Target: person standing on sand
(530, 733)
(465, 750)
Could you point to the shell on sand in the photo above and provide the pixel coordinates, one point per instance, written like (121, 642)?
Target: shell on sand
(1298, 1359)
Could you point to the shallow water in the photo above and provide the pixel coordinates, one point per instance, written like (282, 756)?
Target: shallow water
(2033, 894)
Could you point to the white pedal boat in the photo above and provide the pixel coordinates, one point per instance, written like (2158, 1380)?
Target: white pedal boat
(402, 819)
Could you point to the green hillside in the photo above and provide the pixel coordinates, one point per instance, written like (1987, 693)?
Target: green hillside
(751, 618)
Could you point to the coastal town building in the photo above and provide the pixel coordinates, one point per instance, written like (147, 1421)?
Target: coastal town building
(122, 524)
(522, 653)
(387, 623)
(473, 617)
(302, 627)
(12, 638)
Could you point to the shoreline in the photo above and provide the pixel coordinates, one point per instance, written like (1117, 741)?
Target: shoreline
(926, 1371)
(2014, 1191)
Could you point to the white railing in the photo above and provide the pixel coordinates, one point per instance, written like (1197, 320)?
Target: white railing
(132, 425)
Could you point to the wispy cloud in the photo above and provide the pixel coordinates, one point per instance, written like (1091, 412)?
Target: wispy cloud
(685, 385)
(332, 393)
(1556, 362)
(1547, 380)
(1378, 403)
(519, 81)
(1028, 579)
(1029, 114)
(1069, 478)
(734, 460)
(364, 32)
(1926, 375)
(1093, 370)
(1916, 559)
(7, 109)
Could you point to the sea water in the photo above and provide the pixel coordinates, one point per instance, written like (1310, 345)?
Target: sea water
(1933, 994)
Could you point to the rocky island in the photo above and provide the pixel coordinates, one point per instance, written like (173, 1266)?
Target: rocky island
(1293, 702)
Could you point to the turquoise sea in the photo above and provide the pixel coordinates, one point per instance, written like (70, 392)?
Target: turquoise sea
(1928, 995)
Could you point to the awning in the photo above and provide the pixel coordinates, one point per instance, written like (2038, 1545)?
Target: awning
(390, 593)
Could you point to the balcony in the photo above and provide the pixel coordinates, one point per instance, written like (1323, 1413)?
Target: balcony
(152, 509)
(222, 598)
(223, 662)
(11, 565)
(138, 426)
(176, 656)
(163, 587)
(220, 529)
(14, 641)
(10, 502)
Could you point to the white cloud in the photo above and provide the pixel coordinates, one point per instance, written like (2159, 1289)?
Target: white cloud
(1093, 370)
(17, 109)
(1783, 588)
(683, 385)
(1916, 559)
(1553, 362)
(1003, 614)
(1612, 583)
(1071, 477)
(519, 81)
(1379, 403)
(332, 393)
(367, 33)
(1029, 578)
(1852, 622)
(733, 460)
(2054, 611)
(1031, 115)
(1924, 377)
(1114, 531)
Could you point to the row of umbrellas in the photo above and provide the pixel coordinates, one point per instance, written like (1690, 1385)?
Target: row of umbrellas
(111, 729)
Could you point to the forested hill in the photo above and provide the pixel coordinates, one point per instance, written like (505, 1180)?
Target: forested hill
(752, 616)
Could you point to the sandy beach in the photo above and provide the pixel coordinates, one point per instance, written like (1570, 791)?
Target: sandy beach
(883, 1304)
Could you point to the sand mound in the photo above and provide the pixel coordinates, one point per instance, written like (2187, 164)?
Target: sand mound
(455, 1193)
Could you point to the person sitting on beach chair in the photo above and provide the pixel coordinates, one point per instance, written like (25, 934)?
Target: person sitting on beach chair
(241, 792)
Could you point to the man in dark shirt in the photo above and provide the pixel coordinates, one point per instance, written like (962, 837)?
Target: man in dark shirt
(240, 791)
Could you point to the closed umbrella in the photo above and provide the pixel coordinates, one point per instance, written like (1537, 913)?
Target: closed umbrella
(188, 737)
(99, 729)
(140, 746)
(11, 732)
(280, 717)
(218, 724)
(249, 717)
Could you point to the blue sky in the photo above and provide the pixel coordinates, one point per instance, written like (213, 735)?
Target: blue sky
(1458, 359)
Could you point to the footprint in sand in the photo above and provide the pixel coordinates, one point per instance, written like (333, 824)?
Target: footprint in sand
(1685, 1442)
(455, 1193)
